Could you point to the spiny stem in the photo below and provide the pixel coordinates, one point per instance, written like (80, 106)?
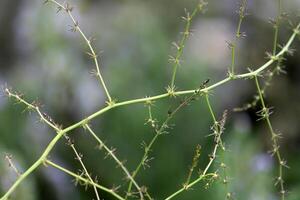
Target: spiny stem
(34, 166)
(277, 69)
(111, 153)
(238, 35)
(218, 142)
(43, 117)
(48, 120)
(87, 181)
(274, 58)
(270, 75)
(276, 27)
(158, 132)
(180, 47)
(79, 158)
(201, 177)
(274, 138)
(141, 100)
(194, 165)
(11, 164)
(88, 42)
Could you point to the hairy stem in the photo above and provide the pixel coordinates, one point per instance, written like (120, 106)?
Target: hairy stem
(218, 130)
(180, 47)
(112, 154)
(265, 114)
(141, 100)
(84, 180)
(79, 158)
(158, 132)
(92, 53)
(238, 35)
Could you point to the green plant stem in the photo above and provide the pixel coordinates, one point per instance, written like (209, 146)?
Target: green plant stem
(158, 132)
(31, 106)
(265, 111)
(275, 40)
(274, 58)
(210, 108)
(217, 141)
(237, 35)
(182, 42)
(79, 158)
(12, 165)
(78, 177)
(34, 166)
(88, 42)
(274, 138)
(134, 101)
(150, 112)
(194, 165)
(120, 164)
(201, 177)
(143, 160)
(278, 61)
(275, 43)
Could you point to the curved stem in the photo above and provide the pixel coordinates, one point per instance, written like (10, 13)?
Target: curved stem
(134, 101)
(120, 164)
(34, 166)
(80, 178)
(92, 53)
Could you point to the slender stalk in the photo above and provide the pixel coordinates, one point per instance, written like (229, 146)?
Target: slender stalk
(194, 165)
(265, 114)
(92, 53)
(158, 131)
(80, 178)
(276, 27)
(210, 108)
(238, 35)
(218, 130)
(79, 158)
(12, 165)
(33, 167)
(49, 121)
(112, 154)
(141, 100)
(201, 177)
(31, 106)
(284, 50)
(180, 47)
(277, 69)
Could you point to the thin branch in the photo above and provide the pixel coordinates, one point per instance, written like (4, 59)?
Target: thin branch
(141, 100)
(185, 35)
(238, 35)
(49, 121)
(79, 158)
(8, 157)
(33, 106)
(68, 9)
(218, 129)
(265, 114)
(159, 131)
(84, 180)
(111, 153)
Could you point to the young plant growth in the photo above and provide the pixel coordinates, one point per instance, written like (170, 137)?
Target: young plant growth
(261, 76)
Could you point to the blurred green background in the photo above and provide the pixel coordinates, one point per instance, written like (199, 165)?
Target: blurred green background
(42, 59)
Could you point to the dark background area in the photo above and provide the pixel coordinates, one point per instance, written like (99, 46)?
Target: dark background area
(40, 58)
